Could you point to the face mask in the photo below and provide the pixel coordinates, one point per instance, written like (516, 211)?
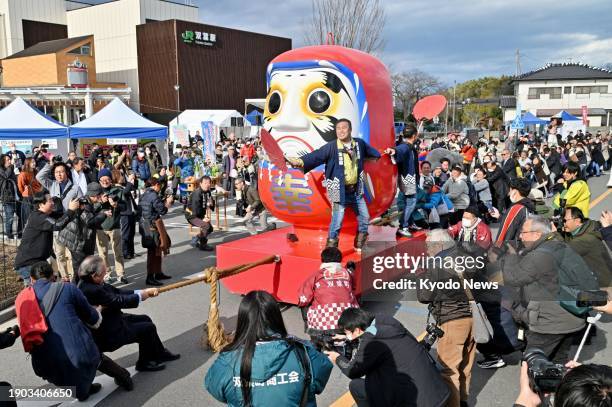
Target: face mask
(466, 222)
(349, 336)
(141, 155)
(514, 198)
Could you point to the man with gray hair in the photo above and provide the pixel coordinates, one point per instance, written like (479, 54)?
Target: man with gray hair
(118, 329)
(534, 273)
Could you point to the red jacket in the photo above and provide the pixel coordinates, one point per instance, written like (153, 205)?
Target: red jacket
(468, 153)
(328, 291)
(247, 151)
(483, 234)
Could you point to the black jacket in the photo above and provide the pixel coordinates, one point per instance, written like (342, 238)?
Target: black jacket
(514, 228)
(498, 183)
(37, 242)
(200, 200)
(79, 235)
(114, 330)
(251, 197)
(8, 185)
(554, 162)
(509, 168)
(606, 234)
(398, 370)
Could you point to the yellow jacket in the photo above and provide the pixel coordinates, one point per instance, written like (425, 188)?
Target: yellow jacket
(577, 195)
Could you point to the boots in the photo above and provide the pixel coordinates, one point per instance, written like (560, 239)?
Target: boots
(203, 245)
(122, 376)
(360, 241)
(331, 243)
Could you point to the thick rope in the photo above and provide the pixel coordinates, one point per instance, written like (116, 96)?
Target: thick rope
(215, 338)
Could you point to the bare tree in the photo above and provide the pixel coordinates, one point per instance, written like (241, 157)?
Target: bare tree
(407, 87)
(353, 23)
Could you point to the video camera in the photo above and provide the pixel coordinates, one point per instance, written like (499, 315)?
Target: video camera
(544, 375)
(434, 332)
(327, 342)
(57, 159)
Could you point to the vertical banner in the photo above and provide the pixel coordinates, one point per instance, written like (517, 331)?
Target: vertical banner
(179, 135)
(585, 115)
(208, 138)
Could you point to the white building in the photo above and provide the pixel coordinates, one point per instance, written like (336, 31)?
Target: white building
(568, 86)
(113, 26)
(24, 23)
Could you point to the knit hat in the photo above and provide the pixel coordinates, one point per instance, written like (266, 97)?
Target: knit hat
(104, 172)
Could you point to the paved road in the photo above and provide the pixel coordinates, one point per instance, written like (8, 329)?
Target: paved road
(180, 314)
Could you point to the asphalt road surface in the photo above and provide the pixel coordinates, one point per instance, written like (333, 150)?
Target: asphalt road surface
(180, 314)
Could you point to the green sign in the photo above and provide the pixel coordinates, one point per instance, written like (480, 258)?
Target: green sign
(199, 38)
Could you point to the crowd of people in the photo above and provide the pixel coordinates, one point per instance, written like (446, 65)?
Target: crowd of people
(490, 195)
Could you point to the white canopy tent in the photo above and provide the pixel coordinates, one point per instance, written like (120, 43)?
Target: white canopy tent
(230, 121)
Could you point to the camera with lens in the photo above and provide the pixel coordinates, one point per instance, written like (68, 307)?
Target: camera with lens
(434, 332)
(57, 159)
(342, 346)
(83, 201)
(544, 375)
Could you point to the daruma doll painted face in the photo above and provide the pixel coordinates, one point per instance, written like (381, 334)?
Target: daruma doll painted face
(309, 90)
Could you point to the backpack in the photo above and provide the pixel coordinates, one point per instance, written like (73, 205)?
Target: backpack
(472, 193)
(574, 276)
(32, 320)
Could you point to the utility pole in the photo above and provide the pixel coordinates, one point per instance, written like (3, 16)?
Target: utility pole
(518, 63)
(454, 103)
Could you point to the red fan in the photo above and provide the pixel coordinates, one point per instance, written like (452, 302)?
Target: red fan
(273, 150)
(429, 107)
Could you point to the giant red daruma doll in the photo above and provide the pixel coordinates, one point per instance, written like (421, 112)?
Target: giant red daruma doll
(309, 90)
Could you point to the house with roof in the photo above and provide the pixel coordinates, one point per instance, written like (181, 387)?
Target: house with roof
(563, 86)
(59, 77)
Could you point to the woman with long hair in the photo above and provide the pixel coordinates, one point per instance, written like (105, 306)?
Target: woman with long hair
(264, 365)
(9, 196)
(28, 185)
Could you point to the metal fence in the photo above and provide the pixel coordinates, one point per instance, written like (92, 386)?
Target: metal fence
(12, 215)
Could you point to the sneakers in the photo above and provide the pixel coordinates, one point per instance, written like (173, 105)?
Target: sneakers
(491, 362)
(331, 243)
(123, 280)
(360, 241)
(404, 232)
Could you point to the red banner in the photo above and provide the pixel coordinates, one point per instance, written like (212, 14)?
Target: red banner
(585, 114)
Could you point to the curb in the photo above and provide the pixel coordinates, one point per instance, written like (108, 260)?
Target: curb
(7, 314)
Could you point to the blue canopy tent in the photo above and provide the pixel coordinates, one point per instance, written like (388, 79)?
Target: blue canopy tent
(565, 116)
(252, 118)
(21, 121)
(529, 119)
(117, 120)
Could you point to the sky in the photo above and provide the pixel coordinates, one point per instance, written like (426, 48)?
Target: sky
(454, 40)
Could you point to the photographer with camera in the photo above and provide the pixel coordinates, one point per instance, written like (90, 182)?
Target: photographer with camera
(538, 273)
(452, 313)
(398, 370)
(574, 384)
(79, 236)
(108, 235)
(63, 191)
(38, 241)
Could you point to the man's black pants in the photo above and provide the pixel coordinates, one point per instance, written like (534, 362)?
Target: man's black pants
(128, 231)
(357, 388)
(555, 346)
(143, 331)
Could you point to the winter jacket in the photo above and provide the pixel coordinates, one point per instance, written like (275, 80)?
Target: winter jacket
(435, 198)
(200, 202)
(458, 192)
(328, 291)
(151, 208)
(115, 330)
(606, 235)
(498, 183)
(27, 184)
(398, 371)
(46, 179)
(79, 235)
(37, 242)
(482, 237)
(407, 167)
(575, 193)
(535, 273)
(587, 242)
(68, 356)
(333, 159)
(509, 168)
(8, 185)
(510, 228)
(251, 197)
(483, 191)
(276, 374)
(141, 168)
(468, 153)
(554, 162)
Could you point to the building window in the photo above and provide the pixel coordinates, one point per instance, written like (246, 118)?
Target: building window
(553, 93)
(585, 90)
(84, 49)
(567, 90)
